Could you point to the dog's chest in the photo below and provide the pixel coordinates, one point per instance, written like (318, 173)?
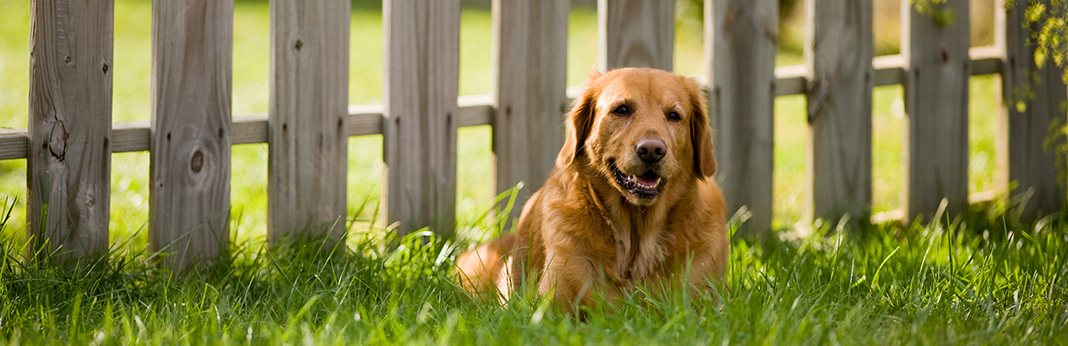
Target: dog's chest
(638, 252)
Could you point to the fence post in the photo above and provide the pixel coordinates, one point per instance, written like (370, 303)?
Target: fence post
(838, 53)
(69, 159)
(419, 103)
(308, 119)
(636, 33)
(1033, 99)
(530, 55)
(935, 46)
(192, 53)
(740, 49)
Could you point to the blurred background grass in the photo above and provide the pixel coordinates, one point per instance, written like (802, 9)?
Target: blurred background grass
(129, 202)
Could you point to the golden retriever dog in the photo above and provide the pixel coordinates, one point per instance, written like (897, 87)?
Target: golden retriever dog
(629, 204)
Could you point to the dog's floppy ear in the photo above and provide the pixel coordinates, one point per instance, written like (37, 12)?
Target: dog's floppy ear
(704, 163)
(580, 119)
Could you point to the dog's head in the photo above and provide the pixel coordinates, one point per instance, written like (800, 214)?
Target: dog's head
(643, 130)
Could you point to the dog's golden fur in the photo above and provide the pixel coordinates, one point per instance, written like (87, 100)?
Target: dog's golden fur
(590, 230)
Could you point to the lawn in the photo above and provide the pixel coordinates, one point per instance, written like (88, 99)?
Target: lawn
(967, 282)
(983, 278)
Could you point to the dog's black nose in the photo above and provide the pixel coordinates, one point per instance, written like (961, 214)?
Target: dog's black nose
(651, 150)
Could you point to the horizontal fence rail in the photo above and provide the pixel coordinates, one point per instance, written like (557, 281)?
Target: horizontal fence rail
(477, 110)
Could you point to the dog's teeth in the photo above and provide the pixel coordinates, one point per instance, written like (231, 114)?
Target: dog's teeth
(651, 186)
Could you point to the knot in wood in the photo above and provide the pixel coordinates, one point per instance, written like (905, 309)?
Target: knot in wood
(57, 141)
(197, 162)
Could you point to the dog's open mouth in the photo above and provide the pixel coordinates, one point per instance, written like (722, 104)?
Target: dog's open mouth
(646, 185)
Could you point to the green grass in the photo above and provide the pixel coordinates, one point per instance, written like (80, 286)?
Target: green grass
(980, 279)
(977, 281)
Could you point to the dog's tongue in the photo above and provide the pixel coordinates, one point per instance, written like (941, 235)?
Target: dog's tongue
(648, 181)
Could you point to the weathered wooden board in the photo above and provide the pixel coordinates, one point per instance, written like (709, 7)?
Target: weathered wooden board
(530, 55)
(936, 103)
(636, 33)
(14, 144)
(192, 53)
(839, 51)
(307, 126)
(740, 56)
(69, 164)
(421, 85)
(1033, 99)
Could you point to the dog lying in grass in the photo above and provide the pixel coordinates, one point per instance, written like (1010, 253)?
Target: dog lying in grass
(629, 204)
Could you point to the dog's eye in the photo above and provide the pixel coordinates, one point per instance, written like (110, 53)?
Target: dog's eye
(621, 110)
(674, 116)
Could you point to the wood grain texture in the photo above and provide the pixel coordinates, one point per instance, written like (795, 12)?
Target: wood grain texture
(839, 51)
(189, 210)
(636, 33)
(1033, 99)
(131, 136)
(307, 130)
(14, 144)
(69, 163)
(740, 59)
(936, 103)
(530, 55)
(420, 94)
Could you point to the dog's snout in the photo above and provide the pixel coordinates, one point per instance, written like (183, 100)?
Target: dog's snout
(651, 150)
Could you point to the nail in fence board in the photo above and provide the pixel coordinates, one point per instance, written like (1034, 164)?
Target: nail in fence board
(192, 50)
(740, 57)
(1022, 132)
(308, 116)
(531, 57)
(936, 102)
(69, 164)
(839, 53)
(420, 93)
(636, 33)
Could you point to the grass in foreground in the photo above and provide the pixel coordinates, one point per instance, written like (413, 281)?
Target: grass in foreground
(977, 281)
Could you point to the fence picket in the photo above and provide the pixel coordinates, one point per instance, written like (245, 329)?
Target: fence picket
(839, 52)
(420, 106)
(531, 58)
(308, 118)
(740, 57)
(192, 53)
(69, 164)
(636, 33)
(935, 45)
(1021, 132)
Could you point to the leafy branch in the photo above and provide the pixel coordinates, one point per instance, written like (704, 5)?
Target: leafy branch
(1049, 31)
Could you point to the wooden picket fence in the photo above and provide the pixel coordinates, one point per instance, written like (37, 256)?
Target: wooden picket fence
(70, 138)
